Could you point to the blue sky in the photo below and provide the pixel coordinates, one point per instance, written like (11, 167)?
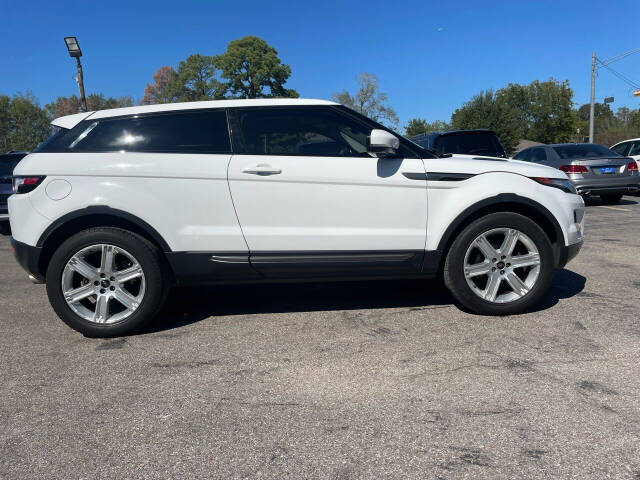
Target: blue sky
(429, 57)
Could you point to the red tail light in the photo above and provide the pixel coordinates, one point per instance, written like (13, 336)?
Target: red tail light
(573, 169)
(25, 184)
(632, 167)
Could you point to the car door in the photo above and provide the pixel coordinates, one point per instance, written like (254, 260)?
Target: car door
(312, 202)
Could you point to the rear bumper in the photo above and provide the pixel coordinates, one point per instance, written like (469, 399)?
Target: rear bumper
(28, 257)
(602, 187)
(568, 253)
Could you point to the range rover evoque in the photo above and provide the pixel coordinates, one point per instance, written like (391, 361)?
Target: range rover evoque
(118, 205)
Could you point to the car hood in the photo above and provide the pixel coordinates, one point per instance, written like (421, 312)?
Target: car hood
(475, 164)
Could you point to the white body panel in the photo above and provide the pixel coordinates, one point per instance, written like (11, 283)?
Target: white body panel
(447, 200)
(329, 203)
(185, 197)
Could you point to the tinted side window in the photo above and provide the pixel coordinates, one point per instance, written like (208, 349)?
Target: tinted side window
(523, 155)
(622, 148)
(300, 131)
(538, 155)
(634, 150)
(471, 144)
(185, 132)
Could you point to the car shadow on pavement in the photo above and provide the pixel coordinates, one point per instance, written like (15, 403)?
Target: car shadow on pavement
(190, 305)
(565, 284)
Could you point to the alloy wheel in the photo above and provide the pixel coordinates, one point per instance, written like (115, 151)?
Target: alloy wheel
(502, 265)
(103, 283)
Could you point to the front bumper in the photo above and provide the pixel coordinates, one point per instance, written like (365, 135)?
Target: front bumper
(29, 258)
(568, 253)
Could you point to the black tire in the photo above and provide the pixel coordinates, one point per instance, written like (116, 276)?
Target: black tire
(454, 264)
(151, 261)
(611, 198)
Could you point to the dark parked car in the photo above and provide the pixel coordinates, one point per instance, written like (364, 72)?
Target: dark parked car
(470, 142)
(592, 168)
(8, 161)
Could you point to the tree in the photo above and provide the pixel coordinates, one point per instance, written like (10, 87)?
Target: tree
(368, 100)
(418, 126)
(23, 123)
(253, 69)
(96, 101)
(159, 91)
(540, 111)
(196, 79)
(489, 110)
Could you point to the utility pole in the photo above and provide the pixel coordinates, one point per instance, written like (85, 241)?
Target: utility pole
(592, 107)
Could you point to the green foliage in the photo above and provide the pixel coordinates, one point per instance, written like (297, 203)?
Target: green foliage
(609, 128)
(368, 100)
(249, 68)
(419, 126)
(23, 123)
(491, 110)
(540, 111)
(253, 69)
(196, 79)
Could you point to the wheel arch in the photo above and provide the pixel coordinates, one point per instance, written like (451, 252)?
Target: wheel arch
(93, 216)
(505, 202)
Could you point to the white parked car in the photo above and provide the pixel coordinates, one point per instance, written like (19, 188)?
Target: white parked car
(118, 205)
(629, 148)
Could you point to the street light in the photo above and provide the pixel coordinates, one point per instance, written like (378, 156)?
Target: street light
(74, 52)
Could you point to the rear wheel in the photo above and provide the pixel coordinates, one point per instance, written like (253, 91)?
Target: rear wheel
(611, 198)
(106, 282)
(500, 264)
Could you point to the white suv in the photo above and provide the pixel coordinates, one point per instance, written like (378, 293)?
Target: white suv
(118, 205)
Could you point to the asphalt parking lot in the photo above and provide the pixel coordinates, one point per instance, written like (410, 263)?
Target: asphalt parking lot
(336, 381)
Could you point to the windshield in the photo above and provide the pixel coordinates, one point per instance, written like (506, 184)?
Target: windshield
(470, 144)
(584, 150)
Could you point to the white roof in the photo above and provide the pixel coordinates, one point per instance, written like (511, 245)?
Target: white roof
(71, 121)
(628, 140)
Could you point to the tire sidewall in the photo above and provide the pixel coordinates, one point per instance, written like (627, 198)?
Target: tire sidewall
(454, 267)
(142, 250)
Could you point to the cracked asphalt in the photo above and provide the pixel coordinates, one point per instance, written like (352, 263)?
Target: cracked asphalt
(336, 381)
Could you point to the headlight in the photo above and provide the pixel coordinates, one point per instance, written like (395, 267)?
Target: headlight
(564, 185)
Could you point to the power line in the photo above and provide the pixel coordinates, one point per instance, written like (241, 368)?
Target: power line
(624, 78)
(618, 57)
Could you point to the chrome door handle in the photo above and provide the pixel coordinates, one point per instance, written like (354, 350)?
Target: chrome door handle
(262, 169)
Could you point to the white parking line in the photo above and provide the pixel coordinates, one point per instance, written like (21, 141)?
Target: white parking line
(615, 208)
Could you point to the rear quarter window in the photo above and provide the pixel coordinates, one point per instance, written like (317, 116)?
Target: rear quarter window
(183, 132)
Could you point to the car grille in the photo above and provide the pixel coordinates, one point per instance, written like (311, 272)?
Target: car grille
(3, 198)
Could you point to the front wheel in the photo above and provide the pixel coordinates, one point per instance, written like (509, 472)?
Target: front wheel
(501, 264)
(105, 282)
(611, 198)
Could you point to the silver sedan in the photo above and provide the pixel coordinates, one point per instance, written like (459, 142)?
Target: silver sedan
(592, 168)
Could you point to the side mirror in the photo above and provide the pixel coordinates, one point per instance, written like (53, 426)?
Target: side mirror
(382, 143)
